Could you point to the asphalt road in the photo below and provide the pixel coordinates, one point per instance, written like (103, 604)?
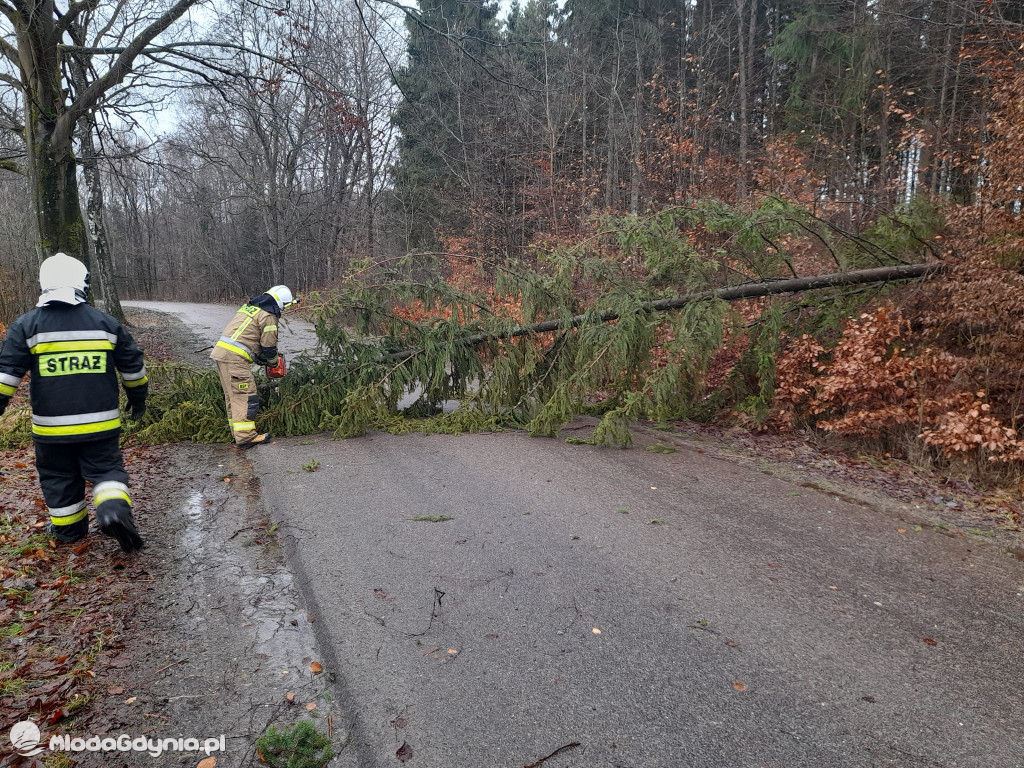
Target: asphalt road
(208, 321)
(295, 336)
(657, 610)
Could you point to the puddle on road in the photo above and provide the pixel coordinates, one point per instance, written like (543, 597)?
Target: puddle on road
(233, 553)
(224, 613)
(192, 536)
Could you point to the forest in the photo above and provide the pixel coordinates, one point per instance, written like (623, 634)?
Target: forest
(437, 175)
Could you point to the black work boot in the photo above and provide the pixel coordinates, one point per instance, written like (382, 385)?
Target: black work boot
(68, 533)
(115, 520)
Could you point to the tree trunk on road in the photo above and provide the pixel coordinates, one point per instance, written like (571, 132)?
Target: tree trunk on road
(734, 293)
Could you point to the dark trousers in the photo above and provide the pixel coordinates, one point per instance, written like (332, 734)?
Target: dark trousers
(64, 469)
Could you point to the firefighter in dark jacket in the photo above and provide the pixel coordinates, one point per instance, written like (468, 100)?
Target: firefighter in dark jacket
(250, 337)
(75, 352)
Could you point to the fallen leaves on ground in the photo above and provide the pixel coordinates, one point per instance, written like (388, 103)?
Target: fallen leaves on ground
(316, 667)
(928, 641)
(61, 605)
(404, 753)
(311, 706)
(739, 685)
(207, 762)
(290, 696)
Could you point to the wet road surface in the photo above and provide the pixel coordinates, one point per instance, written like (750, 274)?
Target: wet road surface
(218, 635)
(208, 320)
(655, 610)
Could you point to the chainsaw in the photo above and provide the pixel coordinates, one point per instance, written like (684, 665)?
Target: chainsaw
(279, 369)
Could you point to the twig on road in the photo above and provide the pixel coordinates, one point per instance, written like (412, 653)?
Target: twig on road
(172, 664)
(438, 596)
(564, 748)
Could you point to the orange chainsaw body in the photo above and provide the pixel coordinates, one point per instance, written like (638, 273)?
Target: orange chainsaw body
(277, 371)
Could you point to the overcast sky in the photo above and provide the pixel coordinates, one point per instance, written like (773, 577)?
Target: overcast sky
(164, 119)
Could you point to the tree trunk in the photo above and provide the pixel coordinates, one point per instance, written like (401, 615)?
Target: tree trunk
(733, 293)
(53, 178)
(104, 266)
(746, 39)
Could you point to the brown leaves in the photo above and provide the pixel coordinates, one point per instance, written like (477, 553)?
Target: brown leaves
(928, 641)
(207, 762)
(886, 373)
(972, 428)
(404, 753)
(38, 590)
(316, 667)
(739, 685)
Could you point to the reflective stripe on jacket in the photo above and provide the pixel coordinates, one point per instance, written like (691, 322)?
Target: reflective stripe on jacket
(251, 334)
(74, 353)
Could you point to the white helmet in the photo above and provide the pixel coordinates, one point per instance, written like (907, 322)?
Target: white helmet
(64, 279)
(283, 296)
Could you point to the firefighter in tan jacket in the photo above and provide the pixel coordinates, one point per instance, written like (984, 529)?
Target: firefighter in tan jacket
(250, 338)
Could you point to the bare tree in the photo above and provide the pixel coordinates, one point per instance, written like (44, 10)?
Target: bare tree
(33, 47)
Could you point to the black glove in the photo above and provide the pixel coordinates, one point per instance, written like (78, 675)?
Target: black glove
(138, 411)
(3, 404)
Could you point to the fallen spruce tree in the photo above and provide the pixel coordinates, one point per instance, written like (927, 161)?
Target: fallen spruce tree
(734, 293)
(600, 329)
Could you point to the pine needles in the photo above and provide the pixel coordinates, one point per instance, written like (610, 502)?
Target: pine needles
(459, 339)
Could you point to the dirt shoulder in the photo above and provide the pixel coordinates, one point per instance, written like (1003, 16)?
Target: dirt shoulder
(913, 495)
(165, 337)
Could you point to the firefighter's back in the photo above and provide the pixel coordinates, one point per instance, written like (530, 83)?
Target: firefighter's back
(242, 336)
(73, 388)
(74, 354)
